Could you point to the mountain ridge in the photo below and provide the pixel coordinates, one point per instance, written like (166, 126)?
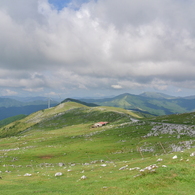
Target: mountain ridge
(156, 104)
(157, 95)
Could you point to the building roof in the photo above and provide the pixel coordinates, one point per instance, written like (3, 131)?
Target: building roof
(102, 123)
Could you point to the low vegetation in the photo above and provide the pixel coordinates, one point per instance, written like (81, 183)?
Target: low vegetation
(56, 151)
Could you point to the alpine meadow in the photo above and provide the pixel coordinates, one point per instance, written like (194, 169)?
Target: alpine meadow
(58, 151)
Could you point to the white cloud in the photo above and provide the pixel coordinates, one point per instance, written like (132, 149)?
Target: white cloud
(179, 90)
(33, 89)
(135, 44)
(116, 86)
(52, 93)
(8, 92)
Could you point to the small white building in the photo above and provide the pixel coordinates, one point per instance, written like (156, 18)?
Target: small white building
(99, 124)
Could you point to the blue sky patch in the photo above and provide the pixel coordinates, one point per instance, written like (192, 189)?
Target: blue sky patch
(60, 4)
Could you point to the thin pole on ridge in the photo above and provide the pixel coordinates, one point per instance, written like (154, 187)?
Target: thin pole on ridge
(48, 103)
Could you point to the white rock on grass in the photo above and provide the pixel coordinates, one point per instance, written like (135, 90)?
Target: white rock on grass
(159, 160)
(103, 165)
(174, 157)
(83, 177)
(192, 154)
(27, 174)
(61, 164)
(135, 168)
(164, 166)
(122, 168)
(58, 174)
(150, 168)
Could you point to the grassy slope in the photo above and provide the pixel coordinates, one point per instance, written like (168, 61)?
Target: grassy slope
(97, 153)
(11, 119)
(185, 118)
(66, 114)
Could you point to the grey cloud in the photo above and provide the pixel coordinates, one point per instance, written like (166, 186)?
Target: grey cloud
(102, 44)
(21, 11)
(171, 12)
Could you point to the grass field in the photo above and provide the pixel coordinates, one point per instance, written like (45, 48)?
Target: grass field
(113, 159)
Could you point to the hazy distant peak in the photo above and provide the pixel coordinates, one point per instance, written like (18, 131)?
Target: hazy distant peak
(80, 102)
(157, 95)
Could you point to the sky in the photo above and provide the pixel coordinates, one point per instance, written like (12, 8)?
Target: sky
(96, 48)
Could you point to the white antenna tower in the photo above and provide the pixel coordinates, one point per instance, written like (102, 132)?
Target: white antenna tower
(60, 98)
(48, 103)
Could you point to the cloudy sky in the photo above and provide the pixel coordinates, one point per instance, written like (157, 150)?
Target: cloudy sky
(80, 48)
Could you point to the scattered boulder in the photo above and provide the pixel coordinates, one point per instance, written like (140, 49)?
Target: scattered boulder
(147, 170)
(58, 174)
(86, 164)
(135, 168)
(61, 164)
(27, 174)
(164, 166)
(83, 177)
(192, 154)
(150, 168)
(122, 168)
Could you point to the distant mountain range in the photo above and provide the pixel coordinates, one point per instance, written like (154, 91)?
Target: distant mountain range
(15, 106)
(149, 102)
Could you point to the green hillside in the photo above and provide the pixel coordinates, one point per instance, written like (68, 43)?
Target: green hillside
(185, 118)
(130, 155)
(66, 114)
(11, 119)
